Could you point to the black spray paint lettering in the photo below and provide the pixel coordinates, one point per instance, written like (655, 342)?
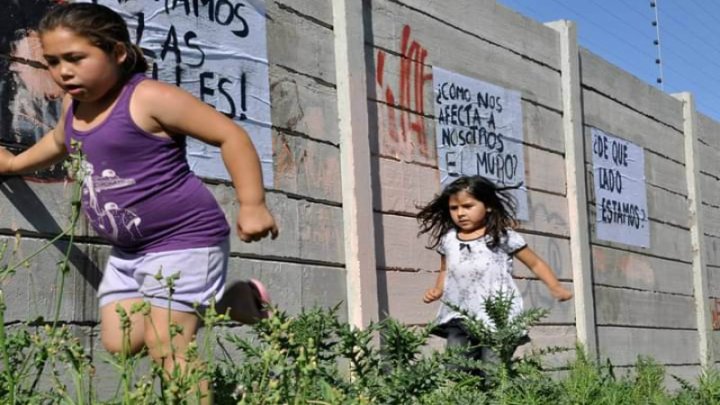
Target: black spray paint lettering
(600, 146)
(451, 163)
(455, 137)
(620, 153)
(503, 167)
(222, 12)
(209, 83)
(139, 35)
(610, 180)
(453, 92)
(464, 115)
(613, 150)
(221, 85)
(171, 45)
(490, 101)
(622, 213)
(500, 166)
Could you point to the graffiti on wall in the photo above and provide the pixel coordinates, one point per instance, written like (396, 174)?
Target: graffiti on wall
(715, 314)
(216, 50)
(29, 100)
(403, 109)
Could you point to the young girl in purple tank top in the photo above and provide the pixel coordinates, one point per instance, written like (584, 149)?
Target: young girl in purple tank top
(139, 192)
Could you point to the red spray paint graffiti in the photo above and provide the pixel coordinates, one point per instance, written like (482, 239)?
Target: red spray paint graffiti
(716, 314)
(404, 123)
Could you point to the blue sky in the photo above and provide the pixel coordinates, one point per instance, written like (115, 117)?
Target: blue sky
(621, 32)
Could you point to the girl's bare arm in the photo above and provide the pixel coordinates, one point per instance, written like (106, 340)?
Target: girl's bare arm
(434, 293)
(544, 273)
(48, 150)
(179, 112)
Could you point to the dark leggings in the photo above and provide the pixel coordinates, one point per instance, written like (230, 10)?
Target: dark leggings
(457, 337)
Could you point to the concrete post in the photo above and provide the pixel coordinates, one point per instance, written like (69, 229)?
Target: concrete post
(360, 265)
(576, 189)
(692, 174)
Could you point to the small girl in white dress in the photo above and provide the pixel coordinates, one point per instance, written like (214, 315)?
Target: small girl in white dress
(470, 225)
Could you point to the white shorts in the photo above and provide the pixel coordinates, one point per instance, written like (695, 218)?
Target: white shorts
(200, 278)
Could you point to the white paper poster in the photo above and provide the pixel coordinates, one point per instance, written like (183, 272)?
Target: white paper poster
(479, 131)
(620, 190)
(217, 50)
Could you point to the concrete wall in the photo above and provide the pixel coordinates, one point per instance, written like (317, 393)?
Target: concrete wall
(635, 301)
(709, 167)
(644, 296)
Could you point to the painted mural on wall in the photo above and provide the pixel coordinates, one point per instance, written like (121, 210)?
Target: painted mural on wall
(217, 50)
(30, 101)
(479, 131)
(620, 190)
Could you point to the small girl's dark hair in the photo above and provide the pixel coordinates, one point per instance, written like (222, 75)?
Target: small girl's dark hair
(435, 219)
(102, 26)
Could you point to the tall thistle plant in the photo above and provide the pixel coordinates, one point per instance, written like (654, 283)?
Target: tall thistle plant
(505, 332)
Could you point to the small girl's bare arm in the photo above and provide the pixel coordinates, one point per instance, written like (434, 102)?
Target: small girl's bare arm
(544, 273)
(434, 293)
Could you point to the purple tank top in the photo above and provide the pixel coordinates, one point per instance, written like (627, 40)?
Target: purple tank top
(139, 192)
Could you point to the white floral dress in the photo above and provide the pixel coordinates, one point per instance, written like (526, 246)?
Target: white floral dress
(475, 272)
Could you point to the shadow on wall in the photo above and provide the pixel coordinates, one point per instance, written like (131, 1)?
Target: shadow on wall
(374, 133)
(29, 205)
(30, 101)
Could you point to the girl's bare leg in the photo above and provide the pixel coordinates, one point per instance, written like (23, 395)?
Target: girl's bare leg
(111, 327)
(172, 354)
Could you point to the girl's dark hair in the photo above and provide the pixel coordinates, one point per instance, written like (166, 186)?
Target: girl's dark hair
(102, 26)
(435, 219)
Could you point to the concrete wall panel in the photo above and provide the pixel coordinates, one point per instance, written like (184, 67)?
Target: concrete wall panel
(543, 127)
(620, 268)
(708, 131)
(713, 283)
(403, 187)
(32, 291)
(302, 105)
(307, 168)
(712, 249)
(319, 11)
(300, 44)
(495, 24)
(34, 206)
(554, 251)
(623, 345)
(628, 90)
(710, 193)
(399, 247)
(666, 241)
(623, 307)
(309, 231)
